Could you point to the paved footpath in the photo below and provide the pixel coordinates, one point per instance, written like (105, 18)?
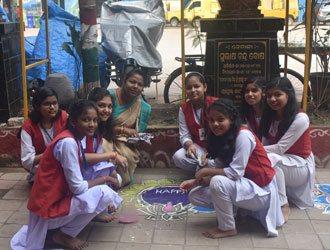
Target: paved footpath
(309, 229)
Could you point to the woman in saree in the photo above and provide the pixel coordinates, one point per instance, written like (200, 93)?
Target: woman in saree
(130, 116)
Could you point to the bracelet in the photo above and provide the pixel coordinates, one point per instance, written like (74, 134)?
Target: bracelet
(116, 154)
(121, 130)
(104, 180)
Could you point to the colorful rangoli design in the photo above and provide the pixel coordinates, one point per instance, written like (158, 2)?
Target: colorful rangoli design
(161, 200)
(322, 197)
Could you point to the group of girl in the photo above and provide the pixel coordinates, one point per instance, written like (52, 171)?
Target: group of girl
(78, 172)
(258, 169)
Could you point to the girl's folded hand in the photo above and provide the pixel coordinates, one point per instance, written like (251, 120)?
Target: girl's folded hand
(192, 151)
(122, 161)
(204, 160)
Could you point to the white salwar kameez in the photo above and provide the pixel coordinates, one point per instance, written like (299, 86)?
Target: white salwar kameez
(103, 168)
(295, 175)
(28, 151)
(180, 159)
(225, 192)
(85, 204)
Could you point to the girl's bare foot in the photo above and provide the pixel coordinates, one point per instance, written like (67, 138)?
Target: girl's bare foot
(215, 233)
(67, 241)
(286, 212)
(105, 218)
(111, 209)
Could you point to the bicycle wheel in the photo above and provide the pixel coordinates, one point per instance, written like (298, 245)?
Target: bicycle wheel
(297, 81)
(173, 84)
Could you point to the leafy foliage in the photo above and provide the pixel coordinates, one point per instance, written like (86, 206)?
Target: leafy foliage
(73, 47)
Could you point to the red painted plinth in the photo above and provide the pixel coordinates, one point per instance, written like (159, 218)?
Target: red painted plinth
(164, 144)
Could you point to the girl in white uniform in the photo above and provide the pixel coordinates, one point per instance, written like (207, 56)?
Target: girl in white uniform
(252, 102)
(242, 175)
(193, 123)
(99, 163)
(45, 122)
(286, 136)
(103, 102)
(60, 198)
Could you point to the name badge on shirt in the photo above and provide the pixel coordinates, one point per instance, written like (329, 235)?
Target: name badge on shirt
(202, 135)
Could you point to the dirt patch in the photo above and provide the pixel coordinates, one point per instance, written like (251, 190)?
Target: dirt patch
(319, 117)
(164, 115)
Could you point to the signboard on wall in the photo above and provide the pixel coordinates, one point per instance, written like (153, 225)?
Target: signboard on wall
(239, 59)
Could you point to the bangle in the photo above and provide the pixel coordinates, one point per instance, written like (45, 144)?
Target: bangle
(104, 180)
(115, 156)
(121, 130)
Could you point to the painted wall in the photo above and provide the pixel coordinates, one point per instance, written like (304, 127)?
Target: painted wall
(164, 145)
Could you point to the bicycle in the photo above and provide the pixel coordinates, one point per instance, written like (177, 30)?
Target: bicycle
(116, 71)
(173, 83)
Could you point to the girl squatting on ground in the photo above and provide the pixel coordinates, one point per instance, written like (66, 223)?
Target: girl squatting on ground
(252, 102)
(103, 102)
(242, 175)
(193, 123)
(60, 198)
(45, 122)
(286, 135)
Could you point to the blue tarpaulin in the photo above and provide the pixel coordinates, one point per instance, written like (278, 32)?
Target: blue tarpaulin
(61, 62)
(4, 15)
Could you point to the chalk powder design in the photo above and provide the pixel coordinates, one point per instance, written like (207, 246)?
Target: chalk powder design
(161, 200)
(322, 197)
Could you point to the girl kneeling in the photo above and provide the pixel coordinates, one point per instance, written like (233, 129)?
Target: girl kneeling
(242, 175)
(60, 198)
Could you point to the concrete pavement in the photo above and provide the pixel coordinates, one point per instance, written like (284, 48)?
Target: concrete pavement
(309, 229)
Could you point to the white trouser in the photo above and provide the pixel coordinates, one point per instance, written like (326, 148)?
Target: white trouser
(222, 196)
(295, 178)
(83, 209)
(289, 177)
(182, 161)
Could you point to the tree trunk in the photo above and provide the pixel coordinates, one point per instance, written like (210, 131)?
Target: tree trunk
(89, 52)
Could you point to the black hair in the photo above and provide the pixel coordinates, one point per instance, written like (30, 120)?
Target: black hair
(200, 78)
(245, 108)
(104, 128)
(289, 111)
(133, 72)
(78, 108)
(224, 146)
(40, 95)
(196, 74)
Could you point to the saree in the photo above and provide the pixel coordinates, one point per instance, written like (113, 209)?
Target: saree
(129, 116)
